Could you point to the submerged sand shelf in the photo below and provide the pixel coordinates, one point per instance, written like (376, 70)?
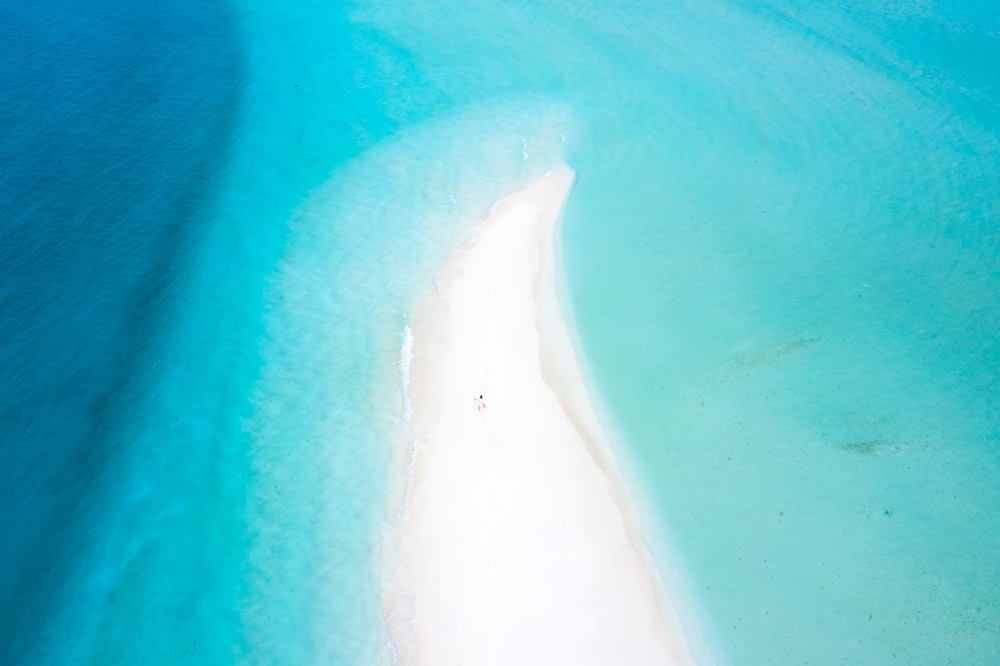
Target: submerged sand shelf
(517, 546)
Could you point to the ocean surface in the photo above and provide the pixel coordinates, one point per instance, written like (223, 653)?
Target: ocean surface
(782, 255)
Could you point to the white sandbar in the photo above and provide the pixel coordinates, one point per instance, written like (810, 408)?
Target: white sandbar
(517, 548)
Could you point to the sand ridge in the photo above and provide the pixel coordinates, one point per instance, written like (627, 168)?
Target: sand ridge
(516, 548)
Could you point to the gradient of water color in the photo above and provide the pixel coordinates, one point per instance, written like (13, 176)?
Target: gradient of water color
(781, 254)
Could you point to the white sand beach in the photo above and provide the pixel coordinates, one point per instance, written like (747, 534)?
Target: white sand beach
(519, 546)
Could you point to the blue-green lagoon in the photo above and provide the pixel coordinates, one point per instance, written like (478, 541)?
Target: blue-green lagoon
(781, 253)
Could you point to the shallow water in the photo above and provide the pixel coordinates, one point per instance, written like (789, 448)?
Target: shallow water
(781, 253)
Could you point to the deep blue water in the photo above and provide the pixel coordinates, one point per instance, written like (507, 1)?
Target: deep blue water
(781, 252)
(115, 120)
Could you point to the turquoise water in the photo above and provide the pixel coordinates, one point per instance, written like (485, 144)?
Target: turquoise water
(782, 257)
(794, 327)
